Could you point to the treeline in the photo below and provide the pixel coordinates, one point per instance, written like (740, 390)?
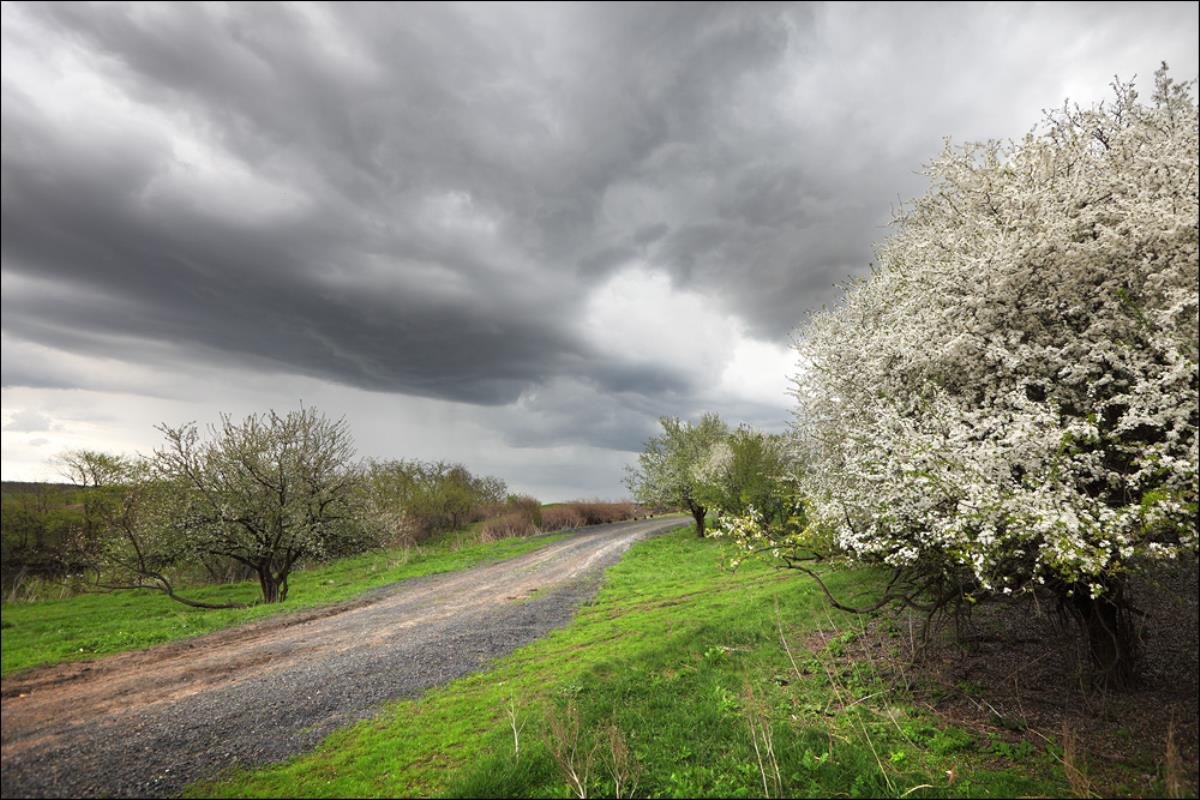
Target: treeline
(36, 522)
(250, 499)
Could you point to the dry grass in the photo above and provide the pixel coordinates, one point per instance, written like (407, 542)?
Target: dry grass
(595, 512)
(1077, 778)
(623, 768)
(763, 739)
(577, 752)
(579, 513)
(571, 754)
(1174, 780)
(522, 516)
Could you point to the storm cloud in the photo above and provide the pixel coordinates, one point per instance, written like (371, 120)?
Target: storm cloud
(563, 220)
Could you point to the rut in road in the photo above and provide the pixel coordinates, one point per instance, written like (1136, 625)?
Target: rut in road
(149, 722)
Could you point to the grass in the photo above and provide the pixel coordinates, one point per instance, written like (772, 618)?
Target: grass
(682, 678)
(89, 625)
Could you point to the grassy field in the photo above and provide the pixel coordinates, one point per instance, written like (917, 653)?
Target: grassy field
(681, 679)
(85, 626)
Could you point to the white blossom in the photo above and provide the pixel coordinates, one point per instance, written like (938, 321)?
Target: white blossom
(1014, 388)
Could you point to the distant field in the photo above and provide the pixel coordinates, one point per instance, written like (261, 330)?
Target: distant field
(85, 626)
(680, 665)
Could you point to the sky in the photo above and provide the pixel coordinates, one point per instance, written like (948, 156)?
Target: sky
(511, 236)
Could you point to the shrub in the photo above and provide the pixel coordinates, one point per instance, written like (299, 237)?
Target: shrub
(531, 507)
(558, 518)
(514, 523)
(417, 499)
(595, 512)
(1007, 404)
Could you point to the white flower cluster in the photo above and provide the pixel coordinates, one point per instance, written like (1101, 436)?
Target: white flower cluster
(1013, 391)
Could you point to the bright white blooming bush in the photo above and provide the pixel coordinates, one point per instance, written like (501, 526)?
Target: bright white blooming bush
(1010, 399)
(1014, 390)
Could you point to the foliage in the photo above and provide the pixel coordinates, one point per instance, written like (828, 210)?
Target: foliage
(1009, 401)
(748, 470)
(36, 523)
(130, 537)
(408, 501)
(526, 506)
(666, 471)
(92, 469)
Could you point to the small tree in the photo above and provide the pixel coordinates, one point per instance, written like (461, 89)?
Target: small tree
(92, 468)
(666, 471)
(265, 492)
(749, 471)
(1008, 403)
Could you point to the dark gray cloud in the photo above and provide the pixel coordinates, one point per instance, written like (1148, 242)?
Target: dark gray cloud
(425, 199)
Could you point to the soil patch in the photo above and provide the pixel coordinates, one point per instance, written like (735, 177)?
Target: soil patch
(1020, 674)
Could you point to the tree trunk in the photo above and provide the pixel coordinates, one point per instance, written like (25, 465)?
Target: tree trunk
(1112, 645)
(269, 585)
(698, 514)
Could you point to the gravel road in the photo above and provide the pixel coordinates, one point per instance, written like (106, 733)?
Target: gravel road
(146, 723)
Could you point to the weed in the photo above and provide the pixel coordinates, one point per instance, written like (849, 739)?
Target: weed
(1072, 764)
(1173, 768)
(623, 768)
(569, 748)
(507, 526)
(516, 729)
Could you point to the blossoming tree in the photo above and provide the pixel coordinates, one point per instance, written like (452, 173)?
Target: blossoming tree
(267, 492)
(1008, 403)
(666, 474)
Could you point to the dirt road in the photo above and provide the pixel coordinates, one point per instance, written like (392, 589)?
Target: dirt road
(148, 722)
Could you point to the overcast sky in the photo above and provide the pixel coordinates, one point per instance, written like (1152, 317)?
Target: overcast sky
(511, 236)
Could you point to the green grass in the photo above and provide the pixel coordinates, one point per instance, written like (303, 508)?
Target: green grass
(85, 626)
(679, 657)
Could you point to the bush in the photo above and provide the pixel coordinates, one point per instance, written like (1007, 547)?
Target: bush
(595, 512)
(1007, 404)
(558, 518)
(531, 507)
(515, 523)
(414, 500)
